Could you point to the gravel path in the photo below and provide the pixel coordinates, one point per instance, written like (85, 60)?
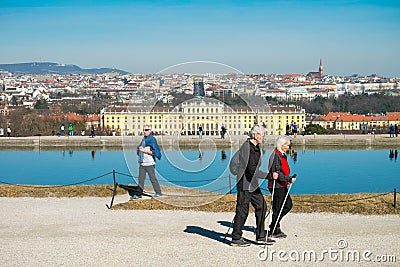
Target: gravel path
(83, 232)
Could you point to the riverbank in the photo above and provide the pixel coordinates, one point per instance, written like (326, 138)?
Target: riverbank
(83, 232)
(187, 142)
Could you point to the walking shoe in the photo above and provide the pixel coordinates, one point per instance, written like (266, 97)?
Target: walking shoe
(239, 243)
(158, 195)
(277, 234)
(134, 197)
(265, 241)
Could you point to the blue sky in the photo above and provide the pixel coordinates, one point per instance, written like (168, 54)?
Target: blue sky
(252, 36)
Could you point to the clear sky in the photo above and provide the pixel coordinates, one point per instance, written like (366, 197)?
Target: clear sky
(350, 36)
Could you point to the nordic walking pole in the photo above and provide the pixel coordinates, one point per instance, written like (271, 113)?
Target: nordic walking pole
(270, 206)
(273, 190)
(283, 204)
(229, 228)
(270, 211)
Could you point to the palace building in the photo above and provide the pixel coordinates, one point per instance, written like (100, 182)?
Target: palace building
(211, 114)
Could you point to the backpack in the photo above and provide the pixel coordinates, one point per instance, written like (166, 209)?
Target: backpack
(234, 163)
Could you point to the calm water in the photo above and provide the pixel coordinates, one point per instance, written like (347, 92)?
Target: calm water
(318, 171)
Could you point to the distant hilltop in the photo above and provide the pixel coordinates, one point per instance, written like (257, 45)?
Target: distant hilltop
(53, 68)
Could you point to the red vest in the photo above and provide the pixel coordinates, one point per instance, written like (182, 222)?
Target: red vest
(284, 169)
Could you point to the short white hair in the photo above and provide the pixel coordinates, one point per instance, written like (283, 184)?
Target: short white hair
(256, 129)
(281, 140)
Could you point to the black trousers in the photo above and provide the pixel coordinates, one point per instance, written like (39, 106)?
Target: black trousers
(277, 202)
(244, 198)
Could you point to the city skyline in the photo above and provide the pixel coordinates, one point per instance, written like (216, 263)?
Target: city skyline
(251, 36)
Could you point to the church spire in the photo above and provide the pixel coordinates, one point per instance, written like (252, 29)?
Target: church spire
(321, 68)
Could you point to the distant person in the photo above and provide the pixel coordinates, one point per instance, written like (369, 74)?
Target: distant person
(248, 189)
(200, 131)
(396, 130)
(62, 129)
(1, 132)
(278, 180)
(294, 127)
(70, 129)
(287, 129)
(92, 131)
(8, 131)
(223, 132)
(391, 130)
(147, 151)
(303, 130)
(83, 132)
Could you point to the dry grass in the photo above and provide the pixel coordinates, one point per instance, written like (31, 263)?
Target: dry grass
(67, 191)
(186, 199)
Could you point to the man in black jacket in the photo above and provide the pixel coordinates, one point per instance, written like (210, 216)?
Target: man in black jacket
(249, 190)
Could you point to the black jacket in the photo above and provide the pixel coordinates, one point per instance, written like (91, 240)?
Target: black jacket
(243, 181)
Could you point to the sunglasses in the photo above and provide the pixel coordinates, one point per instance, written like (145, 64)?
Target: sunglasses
(146, 130)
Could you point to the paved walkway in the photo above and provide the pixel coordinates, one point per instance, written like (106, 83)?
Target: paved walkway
(83, 232)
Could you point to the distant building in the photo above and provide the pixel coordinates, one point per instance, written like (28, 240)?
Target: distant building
(345, 121)
(319, 74)
(185, 118)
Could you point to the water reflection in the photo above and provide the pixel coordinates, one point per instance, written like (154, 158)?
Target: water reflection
(294, 157)
(393, 154)
(223, 155)
(293, 154)
(93, 154)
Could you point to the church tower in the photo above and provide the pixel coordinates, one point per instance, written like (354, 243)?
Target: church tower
(321, 68)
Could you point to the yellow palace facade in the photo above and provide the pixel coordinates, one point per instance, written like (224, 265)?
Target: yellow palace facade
(210, 114)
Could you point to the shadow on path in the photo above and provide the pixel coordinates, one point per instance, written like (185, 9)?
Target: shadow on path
(245, 228)
(220, 237)
(224, 238)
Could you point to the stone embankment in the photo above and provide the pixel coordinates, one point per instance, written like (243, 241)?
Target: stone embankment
(186, 142)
